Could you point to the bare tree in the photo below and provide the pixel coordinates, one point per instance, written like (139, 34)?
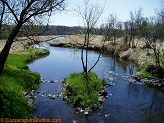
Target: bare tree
(152, 29)
(90, 15)
(114, 26)
(160, 17)
(133, 25)
(21, 12)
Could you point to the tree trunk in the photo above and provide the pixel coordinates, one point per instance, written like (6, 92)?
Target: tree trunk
(114, 38)
(5, 51)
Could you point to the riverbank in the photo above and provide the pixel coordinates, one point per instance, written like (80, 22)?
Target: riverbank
(140, 56)
(74, 41)
(126, 94)
(17, 84)
(22, 43)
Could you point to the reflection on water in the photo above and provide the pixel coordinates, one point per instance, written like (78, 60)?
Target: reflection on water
(151, 107)
(128, 101)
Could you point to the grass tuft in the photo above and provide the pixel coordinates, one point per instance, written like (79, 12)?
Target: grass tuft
(81, 92)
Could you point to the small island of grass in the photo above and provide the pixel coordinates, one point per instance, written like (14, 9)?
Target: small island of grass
(84, 93)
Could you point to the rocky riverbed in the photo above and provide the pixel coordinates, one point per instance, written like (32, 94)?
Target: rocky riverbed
(153, 82)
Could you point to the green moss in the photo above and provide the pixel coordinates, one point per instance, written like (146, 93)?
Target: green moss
(82, 92)
(15, 80)
(144, 74)
(150, 71)
(162, 65)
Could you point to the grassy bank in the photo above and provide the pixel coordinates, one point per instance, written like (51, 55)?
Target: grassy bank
(83, 93)
(15, 83)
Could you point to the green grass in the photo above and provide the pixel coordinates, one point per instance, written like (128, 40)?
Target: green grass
(70, 45)
(82, 92)
(145, 71)
(15, 80)
(144, 74)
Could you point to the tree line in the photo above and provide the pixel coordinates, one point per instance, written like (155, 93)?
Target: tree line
(37, 30)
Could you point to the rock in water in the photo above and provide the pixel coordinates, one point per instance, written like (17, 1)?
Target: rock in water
(49, 95)
(86, 113)
(51, 81)
(74, 121)
(53, 97)
(110, 84)
(101, 99)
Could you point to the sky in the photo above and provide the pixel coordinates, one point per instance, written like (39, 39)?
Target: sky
(119, 7)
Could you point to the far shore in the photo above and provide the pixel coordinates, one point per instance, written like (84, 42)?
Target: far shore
(21, 41)
(138, 55)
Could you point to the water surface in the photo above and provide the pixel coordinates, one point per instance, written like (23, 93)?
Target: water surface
(128, 101)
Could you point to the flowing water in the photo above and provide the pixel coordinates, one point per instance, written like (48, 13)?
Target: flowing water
(128, 101)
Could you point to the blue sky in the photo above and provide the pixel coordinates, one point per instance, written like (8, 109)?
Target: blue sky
(120, 7)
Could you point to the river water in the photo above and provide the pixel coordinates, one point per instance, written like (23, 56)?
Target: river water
(128, 101)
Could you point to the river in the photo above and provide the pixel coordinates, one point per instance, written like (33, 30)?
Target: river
(128, 101)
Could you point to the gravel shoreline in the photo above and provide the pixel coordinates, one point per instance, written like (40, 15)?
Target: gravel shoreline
(153, 82)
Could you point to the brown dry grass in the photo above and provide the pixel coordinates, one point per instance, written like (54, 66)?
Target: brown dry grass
(19, 43)
(79, 40)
